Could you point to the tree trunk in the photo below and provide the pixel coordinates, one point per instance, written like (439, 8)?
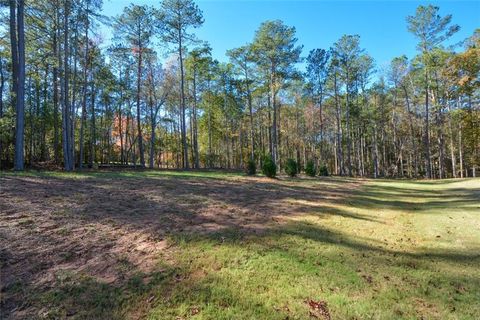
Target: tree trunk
(93, 135)
(182, 102)
(17, 39)
(153, 122)
(412, 132)
(428, 162)
(375, 152)
(66, 116)
(250, 111)
(209, 138)
(120, 122)
(339, 129)
(349, 139)
(195, 129)
(83, 118)
(56, 54)
(274, 123)
(2, 86)
(460, 149)
(452, 148)
(139, 125)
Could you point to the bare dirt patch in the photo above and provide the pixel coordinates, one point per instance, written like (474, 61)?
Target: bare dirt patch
(110, 228)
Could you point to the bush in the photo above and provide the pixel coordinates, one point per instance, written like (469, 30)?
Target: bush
(323, 171)
(310, 168)
(251, 167)
(291, 168)
(269, 167)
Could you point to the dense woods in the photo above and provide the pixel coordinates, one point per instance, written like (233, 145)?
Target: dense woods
(70, 99)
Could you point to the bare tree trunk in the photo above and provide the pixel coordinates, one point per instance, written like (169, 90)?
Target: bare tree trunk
(43, 143)
(339, 129)
(375, 146)
(269, 116)
(460, 150)
(320, 103)
(452, 148)
(152, 144)
(335, 156)
(153, 121)
(120, 122)
(74, 95)
(349, 138)
(83, 117)
(412, 131)
(139, 125)
(182, 102)
(17, 39)
(395, 142)
(274, 124)
(375, 152)
(250, 111)
(210, 138)
(56, 54)
(127, 131)
(93, 135)
(428, 162)
(194, 127)
(2, 87)
(362, 154)
(66, 112)
(401, 161)
(29, 151)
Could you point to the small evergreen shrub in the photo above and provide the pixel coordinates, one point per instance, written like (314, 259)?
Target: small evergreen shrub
(323, 171)
(269, 167)
(251, 167)
(291, 168)
(310, 168)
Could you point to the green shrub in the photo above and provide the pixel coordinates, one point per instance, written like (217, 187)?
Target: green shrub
(323, 171)
(269, 167)
(310, 168)
(251, 167)
(291, 168)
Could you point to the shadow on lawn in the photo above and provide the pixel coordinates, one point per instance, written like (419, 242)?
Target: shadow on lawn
(157, 207)
(394, 198)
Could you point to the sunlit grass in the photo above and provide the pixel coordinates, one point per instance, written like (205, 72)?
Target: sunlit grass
(417, 256)
(385, 249)
(133, 174)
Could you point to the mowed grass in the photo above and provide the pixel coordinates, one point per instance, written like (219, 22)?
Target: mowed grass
(414, 255)
(382, 250)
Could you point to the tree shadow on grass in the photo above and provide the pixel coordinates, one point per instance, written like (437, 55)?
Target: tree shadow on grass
(349, 266)
(401, 199)
(90, 226)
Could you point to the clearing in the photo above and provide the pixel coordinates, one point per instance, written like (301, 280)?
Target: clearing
(216, 245)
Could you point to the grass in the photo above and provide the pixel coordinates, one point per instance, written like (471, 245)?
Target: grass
(418, 258)
(126, 174)
(388, 249)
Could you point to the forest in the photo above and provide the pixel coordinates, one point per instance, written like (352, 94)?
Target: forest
(153, 96)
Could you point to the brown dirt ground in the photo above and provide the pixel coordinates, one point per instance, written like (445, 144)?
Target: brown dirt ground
(94, 226)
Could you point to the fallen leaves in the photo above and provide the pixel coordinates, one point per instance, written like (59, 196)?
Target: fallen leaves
(318, 309)
(195, 311)
(367, 278)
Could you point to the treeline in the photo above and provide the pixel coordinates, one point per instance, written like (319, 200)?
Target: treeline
(156, 98)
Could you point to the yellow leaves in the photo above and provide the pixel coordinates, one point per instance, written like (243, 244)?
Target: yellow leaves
(464, 80)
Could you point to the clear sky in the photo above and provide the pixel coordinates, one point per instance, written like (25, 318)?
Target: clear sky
(380, 24)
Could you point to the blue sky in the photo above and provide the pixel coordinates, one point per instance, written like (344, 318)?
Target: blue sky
(380, 24)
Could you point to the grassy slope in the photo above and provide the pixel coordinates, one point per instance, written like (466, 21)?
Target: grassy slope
(414, 253)
(388, 250)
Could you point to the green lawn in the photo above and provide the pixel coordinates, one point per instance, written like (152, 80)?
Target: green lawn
(254, 248)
